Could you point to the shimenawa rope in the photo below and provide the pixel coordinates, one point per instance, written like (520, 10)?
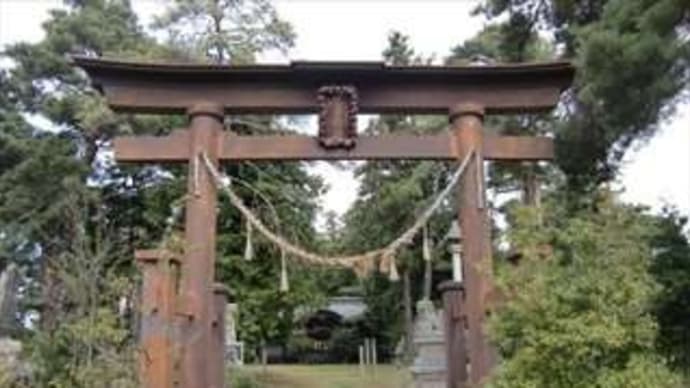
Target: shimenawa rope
(361, 263)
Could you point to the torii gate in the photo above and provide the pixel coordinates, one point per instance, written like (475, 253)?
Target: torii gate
(179, 324)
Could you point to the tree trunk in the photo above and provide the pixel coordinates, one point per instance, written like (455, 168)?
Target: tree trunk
(409, 324)
(264, 356)
(427, 279)
(531, 193)
(51, 294)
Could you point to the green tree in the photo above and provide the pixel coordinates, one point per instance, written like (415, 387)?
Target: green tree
(43, 82)
(92, 345)
(225, 31)
(632, 60)
(671, 269)
(632, 65)
(72, 282)
(578, 307)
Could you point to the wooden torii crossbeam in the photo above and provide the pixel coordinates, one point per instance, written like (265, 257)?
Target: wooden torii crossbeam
(337, 91)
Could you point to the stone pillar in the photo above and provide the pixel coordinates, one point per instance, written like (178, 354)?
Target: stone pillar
(454, 327)
(234, 349)
(429, 366)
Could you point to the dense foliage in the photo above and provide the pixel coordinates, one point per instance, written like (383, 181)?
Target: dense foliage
(632, 59)
(597, 299)
(579, 306)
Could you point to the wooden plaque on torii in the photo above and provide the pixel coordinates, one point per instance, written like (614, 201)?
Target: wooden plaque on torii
(337, 91)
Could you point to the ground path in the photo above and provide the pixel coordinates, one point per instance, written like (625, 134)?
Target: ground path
(328, 376)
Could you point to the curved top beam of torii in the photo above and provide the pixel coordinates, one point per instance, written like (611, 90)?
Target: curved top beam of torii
(174, 87)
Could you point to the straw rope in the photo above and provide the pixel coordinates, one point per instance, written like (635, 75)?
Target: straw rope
(361, 263)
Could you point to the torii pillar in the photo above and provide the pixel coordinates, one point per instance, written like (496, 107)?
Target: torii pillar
(466, 121)
(179, 337)
(196, 283)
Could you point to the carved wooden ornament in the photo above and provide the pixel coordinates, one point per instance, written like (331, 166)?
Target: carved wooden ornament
(338, 116)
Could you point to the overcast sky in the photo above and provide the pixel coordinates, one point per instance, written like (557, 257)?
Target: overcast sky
(655, 174)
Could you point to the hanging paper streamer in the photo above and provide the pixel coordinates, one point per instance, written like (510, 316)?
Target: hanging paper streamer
(248, 246)
(387, 266)
(393, 275)
(284, 284)
(363, 267)
(426, 244)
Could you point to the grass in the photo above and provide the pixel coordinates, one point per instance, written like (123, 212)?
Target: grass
(327, 376)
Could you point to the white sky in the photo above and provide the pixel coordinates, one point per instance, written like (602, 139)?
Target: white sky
(657, 173)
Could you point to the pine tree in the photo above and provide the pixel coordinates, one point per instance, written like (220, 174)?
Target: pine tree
(225, 31)
(632, 60)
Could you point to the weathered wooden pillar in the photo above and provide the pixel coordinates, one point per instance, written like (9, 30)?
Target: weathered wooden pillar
(206, 126)
(158, 337)
(467, 120)
(221, 295)
(454, 333)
